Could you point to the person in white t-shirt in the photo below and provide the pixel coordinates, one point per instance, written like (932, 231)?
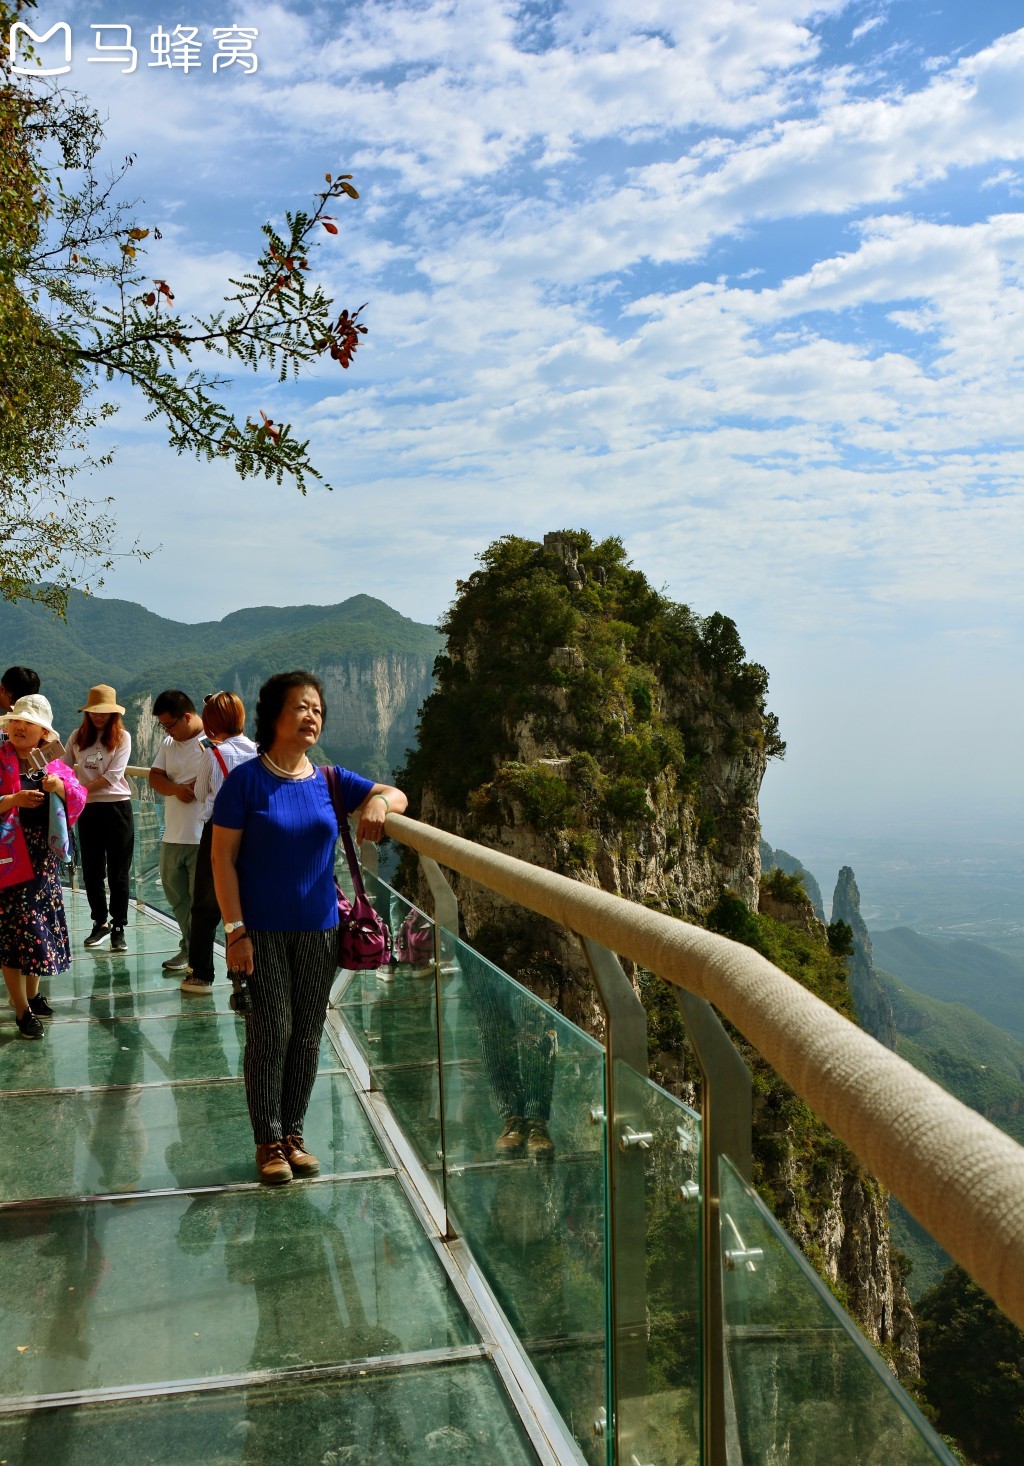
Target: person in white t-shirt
(173, 774)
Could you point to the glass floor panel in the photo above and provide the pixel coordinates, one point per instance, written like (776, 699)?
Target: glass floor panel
(136, 1087)
(444, 1413)
(179, 1288)
(174, 1135)
(189, 1045)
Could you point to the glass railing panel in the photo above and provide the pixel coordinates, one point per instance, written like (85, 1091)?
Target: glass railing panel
(148, 813)
(656, 1245)
(526, 1186)
(392, 1015)
(806, 1385)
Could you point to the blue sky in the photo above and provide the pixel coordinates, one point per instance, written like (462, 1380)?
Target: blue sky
(740, 283)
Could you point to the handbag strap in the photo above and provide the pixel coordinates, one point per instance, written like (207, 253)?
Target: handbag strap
(330, 773)
(220, 759)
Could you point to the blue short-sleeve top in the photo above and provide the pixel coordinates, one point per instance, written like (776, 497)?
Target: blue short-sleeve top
(289, 831)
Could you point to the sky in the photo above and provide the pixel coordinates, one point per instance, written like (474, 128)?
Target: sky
(741, 283)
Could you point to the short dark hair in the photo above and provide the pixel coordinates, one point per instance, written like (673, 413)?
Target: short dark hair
(20, 682)
(271, 701)
(173, 701)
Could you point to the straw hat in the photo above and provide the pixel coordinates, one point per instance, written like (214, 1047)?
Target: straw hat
(31, 709)
(102, 699)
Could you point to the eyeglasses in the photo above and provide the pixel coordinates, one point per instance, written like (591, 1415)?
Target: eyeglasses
(172, 724)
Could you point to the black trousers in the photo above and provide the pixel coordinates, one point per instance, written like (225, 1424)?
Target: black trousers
(289, 988)
(106, 838)
(205, 911)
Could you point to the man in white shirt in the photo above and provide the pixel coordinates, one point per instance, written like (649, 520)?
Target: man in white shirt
(173, 774)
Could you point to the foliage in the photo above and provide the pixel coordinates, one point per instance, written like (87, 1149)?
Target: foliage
(783, 887)
(77, 307)
(593, 663)
(972, 1358)
(840, 938)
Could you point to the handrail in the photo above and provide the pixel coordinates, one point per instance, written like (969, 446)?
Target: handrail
(956, 1173)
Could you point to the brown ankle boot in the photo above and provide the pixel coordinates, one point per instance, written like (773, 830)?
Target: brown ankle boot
(272, 1163)
(298, 1156)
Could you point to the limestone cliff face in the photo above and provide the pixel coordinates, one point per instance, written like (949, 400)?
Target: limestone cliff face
(874, 1010)
(782, 860)
(585, 724)
(372, 703)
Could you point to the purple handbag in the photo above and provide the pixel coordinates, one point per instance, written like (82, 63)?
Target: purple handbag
(364, 940)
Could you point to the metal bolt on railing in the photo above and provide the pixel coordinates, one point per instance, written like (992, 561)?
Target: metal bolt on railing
(747, 1257)
(631, 1139)
(740, 1256)
(689, 1191)
(597, 1114)
(601, 1422)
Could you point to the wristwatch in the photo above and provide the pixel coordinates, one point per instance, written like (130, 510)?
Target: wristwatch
(232, 926)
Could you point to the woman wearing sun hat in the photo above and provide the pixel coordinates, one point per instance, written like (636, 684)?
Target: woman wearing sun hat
(100, 750)
(33, 931)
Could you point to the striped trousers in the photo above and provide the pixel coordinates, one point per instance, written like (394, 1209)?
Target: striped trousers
(289, 987)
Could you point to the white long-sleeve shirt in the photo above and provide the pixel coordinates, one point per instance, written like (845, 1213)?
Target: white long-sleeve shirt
(211, 776)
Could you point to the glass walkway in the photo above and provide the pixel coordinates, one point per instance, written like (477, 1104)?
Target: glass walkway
(430, 1296)
(159, 1305)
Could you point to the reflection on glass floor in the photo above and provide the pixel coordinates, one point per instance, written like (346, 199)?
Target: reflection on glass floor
(156, 1304)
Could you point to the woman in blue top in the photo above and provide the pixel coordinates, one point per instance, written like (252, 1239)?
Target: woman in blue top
(274, 833)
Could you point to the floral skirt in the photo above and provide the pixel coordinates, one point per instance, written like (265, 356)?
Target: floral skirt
(33, 931)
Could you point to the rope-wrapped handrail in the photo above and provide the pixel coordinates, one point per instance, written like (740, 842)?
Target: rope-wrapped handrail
(955, 1172)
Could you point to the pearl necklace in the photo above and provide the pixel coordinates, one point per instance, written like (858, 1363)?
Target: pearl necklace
(301, 773)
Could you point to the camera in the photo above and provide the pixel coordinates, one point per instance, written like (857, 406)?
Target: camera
(239, 1002)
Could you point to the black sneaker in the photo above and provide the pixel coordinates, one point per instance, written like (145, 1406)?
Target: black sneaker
(99, 935)
(117, 941)
(174, 965)
(40, 1007)
(29, 1025)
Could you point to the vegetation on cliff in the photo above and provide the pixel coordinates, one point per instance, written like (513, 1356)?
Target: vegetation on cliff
(575, 693)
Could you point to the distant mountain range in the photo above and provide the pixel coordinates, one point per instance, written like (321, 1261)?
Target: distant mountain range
(983, 979)
(377, 664)
(957, 1008)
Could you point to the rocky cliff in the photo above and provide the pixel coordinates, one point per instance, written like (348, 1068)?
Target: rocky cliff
(583, 722)
(874, 1010)
(372, 703)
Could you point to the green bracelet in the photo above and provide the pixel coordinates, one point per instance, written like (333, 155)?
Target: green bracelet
(381, 796)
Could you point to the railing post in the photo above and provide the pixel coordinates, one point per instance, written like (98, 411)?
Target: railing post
(625, 1042)
(726, 1119)
(446, 918)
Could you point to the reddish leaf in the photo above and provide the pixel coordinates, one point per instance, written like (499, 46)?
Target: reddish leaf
(331, 228)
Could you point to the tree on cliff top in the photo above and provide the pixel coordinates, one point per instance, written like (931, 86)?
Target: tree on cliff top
(75, 307)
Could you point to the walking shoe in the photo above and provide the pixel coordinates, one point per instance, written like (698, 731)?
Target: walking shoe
(99, 935)
(272, 1164)
(40, 1007)
(29, 1025)
(177, 963)
(539, 1144)
(193, 983)
(513, 1136)
(299, 1157)
(117, 941)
